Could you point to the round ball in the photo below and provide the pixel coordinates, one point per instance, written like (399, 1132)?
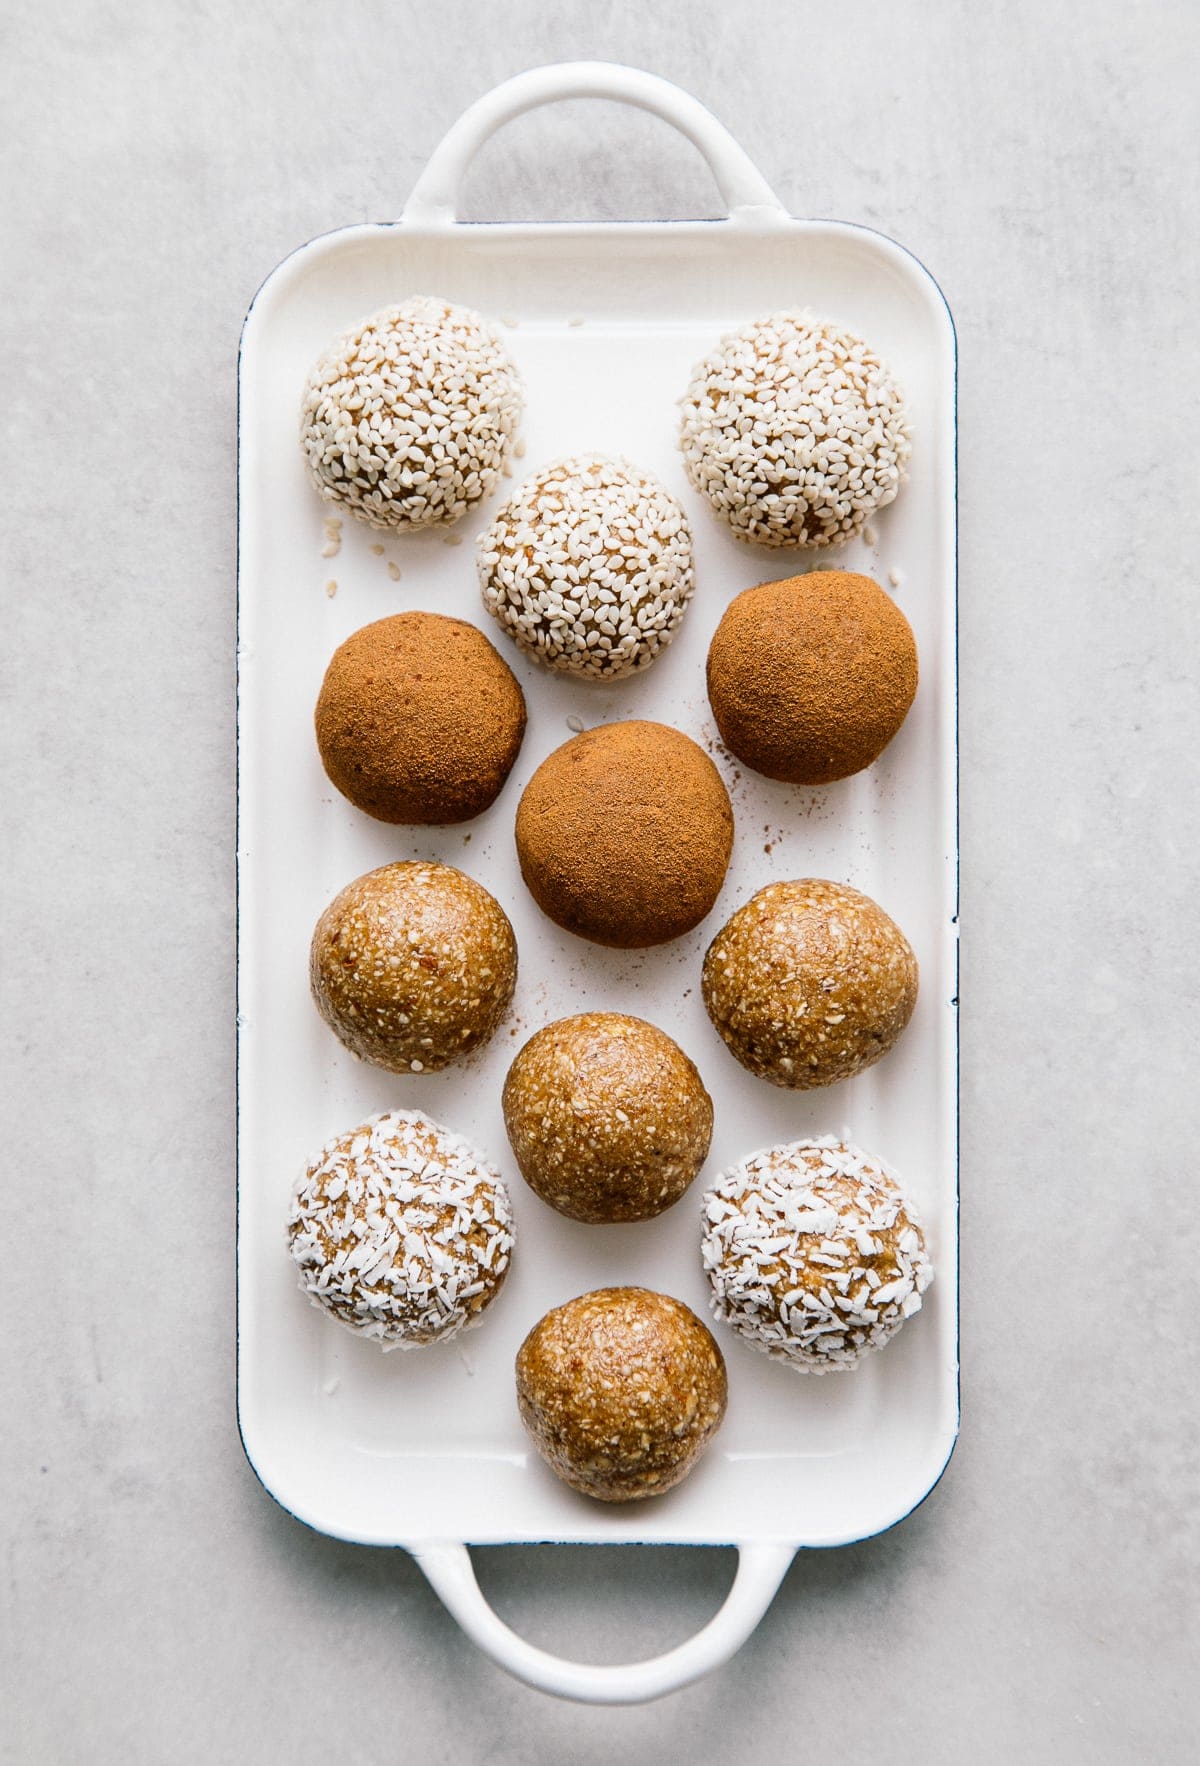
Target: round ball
(814, 1254)
(621, 1390)
(419, 719)
(407, 420)
(589, 567)
(809, 983)
(401, 1230)
(809, 679)
(413, 966)
(624, 835)
(794, 431)
(607, 1117)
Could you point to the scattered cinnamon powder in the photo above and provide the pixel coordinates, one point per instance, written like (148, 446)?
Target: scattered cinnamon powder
(624, 834)
(419, 719)
(811, 677)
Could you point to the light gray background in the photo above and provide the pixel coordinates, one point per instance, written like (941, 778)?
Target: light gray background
(1040, 159)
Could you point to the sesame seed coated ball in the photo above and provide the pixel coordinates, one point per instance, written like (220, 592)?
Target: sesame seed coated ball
(621, 1391)
(401, 1231)
(809, 983)
(794, 431)
(589, 567)
(407, 421)
(607, 1117)
(813, 1253)
(413, 966)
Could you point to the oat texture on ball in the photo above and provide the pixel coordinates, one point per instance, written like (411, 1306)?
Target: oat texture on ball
(413, 966)
(408, 420)
(589, 567)
(419, 719)
(401, 1231)
(607, 1117)
(624, 834)
(794, 431)
(814, 1253)
(621, 1390)
(809, 983)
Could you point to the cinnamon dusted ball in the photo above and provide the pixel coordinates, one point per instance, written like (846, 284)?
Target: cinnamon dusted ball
(624, 834)
(810, 678)
(413, 966)
(607, 1117)
(621, 1391)
(419, 719)
(809, 983)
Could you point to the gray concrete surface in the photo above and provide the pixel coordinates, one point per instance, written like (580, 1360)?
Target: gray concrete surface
(1040, 158)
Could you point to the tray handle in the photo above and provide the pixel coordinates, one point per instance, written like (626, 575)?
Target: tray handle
(745, 190)
(761, 1569)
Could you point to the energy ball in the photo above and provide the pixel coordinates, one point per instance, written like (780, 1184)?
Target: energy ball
(401, 1231)
(589, 567)
(413, 966)
(419, 719)
(810, 678)
(809, 983)
(794, 431)
(621, 1391)
(407, 421)
(814, 1254)
(607, 1117)
(624, 835)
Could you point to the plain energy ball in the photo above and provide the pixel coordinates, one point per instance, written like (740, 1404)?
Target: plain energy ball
(408, 420)
(608, 1118)
(401, 1231)
(810, 678)
(624, 834)
(419, 719)
(621, 1390)
(809, 983)
(589, 567)
(794, 431)
(813, 1253)
(413, 966)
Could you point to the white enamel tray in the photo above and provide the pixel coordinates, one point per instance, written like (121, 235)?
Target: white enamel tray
(425, 1450)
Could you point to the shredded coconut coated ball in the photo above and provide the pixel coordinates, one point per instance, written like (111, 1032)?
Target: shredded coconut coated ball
(401, 1230)
(408, 420)
(795, 432)
(814, 1254)
(589, 567)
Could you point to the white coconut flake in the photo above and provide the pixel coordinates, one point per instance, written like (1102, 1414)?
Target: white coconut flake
(813, 1253)
(424, 1241)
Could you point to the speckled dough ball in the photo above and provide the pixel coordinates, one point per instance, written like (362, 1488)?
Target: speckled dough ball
(401, 1231)
(810, 678)
(589, 567)
(413, 966)
(794, 431)
(419, 719)
(624, 834)
(809, 983)
(814, 1254)
(607, 1117)
(407, 420)
(621, 1391)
